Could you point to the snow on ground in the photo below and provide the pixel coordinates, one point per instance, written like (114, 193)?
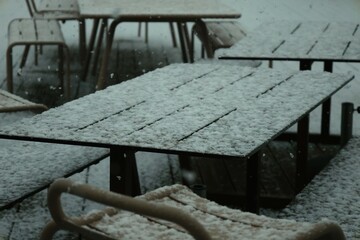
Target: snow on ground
(27, 220)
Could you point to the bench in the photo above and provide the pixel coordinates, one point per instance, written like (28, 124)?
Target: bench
(159, 213)
(27, 168)
(37, 32)
(333, 194)
(12, 103)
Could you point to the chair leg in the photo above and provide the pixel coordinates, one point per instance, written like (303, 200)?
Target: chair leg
(90, 48)
(36, 55)
(82, 40)
(9, 70)
(24, 56)
(139, 29)
(146, 32)
(184, 41)
(172, 31)
(67, 83)
(61, 66)
(98, 46)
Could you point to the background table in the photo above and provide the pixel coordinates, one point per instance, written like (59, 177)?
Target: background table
(209, 110)
(305, 42)
(299, 41)
(180, 11)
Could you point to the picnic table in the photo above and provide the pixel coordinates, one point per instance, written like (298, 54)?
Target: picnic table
(180, 12)
(304, 42)
(209, 110)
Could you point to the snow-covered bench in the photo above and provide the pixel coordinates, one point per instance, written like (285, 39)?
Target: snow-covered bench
(27, 168)
(333, 194)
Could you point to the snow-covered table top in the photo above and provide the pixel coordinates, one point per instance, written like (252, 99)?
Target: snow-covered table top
(212, 109)
(307, 40)
(156, 9)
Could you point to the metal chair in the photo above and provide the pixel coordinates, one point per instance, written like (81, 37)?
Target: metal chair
(61, 10)
(38, 32)
(172, 212)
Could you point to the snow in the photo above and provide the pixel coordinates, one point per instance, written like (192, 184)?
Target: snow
(333, 194)
(30, 217)
(45, 161)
